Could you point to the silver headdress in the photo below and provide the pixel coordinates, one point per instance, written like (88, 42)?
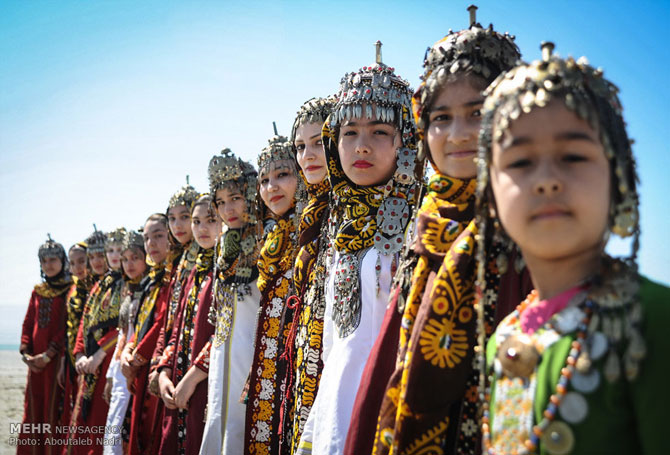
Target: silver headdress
(377, 84)
(227, 168)
(185, 196)
(51, 249)
(133, 239)
(278, 148)
(115, 236)
(482, 51)
(96, 241)
(314, 110)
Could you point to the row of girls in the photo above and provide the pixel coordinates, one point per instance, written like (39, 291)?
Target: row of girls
(345, 299)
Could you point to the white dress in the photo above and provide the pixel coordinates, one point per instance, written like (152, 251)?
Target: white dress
(229, 366)
(120, 398)
(344, 360)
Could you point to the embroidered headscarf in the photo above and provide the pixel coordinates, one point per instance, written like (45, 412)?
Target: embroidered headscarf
(376, 216)
(237, 249)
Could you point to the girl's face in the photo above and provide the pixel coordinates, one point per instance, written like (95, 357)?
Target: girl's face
(51, 266)
(551, 182)
(367, 149)
(277, 187)
(179, 221)
(231, 207)
(453, 127)
(156, 242)
(134, 263)
(310, 154)
(206, 226)
(78, 263)
(113, 252)
(97, 261)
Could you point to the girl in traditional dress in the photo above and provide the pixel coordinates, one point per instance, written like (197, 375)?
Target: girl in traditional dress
(278, 185)
(180, 263)
(42, 340)
(133, 263)
(429, 401)
(369, 145)
(580, 366)
(233, 182)
(185, 363)
(304, 346)
(147, 324)
(96, 340)
(83, 278)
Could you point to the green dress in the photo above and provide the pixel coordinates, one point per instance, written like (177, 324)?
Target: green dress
(622, 417)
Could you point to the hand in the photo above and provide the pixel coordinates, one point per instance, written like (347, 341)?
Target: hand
(81, 364)
(94, 361)
(126, 359)
(107, 392)
(40, 361)
(153, 384)
(30, 361)
(186, 387)
(166, 388)
(60, 377)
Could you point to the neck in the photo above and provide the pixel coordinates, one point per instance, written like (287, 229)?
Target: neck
(552, 277)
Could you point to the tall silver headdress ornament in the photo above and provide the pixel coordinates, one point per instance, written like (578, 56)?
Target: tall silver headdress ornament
(95, 241)
(588, 94)
(185, 196)
(477, 50)
(51, 249)
(278, 148)
(314, 110)
(115, 236)
(377, 84)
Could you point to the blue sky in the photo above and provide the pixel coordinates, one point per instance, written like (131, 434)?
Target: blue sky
(106, 106)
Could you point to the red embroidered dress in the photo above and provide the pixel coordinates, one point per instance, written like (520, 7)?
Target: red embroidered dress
(189, 345)
(98, 330)
(144, 415)
(43, 331)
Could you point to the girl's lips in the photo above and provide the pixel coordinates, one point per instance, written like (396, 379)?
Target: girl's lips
(313, 168)
(276, 198)
(462, 154)
(179, 234)
(362, 164)
(232, 218)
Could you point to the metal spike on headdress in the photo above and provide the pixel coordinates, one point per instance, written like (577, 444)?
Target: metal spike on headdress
(279, 148)
(185, 196)
(51, 248)
(472, 9)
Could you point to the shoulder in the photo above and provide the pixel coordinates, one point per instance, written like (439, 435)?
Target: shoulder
(655, 299)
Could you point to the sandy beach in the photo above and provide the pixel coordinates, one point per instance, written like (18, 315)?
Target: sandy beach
(13, 375)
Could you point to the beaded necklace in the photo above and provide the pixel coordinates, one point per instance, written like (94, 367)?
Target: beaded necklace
(519, 355)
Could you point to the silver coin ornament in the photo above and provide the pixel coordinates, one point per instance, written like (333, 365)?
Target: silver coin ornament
(568, 320)
(586, 382)
(573, 407)
(597, 345)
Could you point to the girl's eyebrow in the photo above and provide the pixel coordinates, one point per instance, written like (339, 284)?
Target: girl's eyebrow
(466, 104)
(316, 135)
(574, 136)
